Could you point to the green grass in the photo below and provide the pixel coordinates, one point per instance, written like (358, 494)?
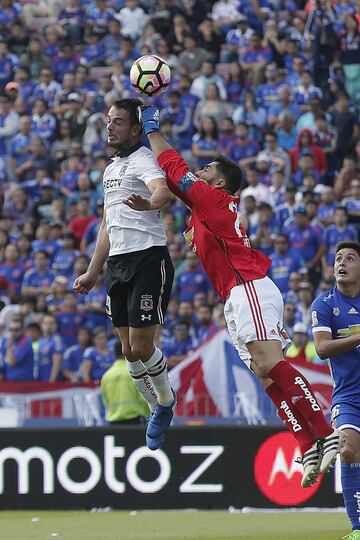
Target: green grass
(210, 525)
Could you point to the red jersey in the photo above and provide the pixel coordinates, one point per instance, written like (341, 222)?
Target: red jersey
(214, 233)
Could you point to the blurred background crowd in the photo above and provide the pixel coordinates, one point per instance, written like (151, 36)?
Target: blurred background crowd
(272, 84)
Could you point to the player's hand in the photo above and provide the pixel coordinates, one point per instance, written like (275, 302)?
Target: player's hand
(137, 202)
(84, 283)
(149, 116)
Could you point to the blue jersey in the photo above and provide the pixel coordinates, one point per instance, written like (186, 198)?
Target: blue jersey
(333, 236)
(282, 266)
(24, 355)
(339, 314)
(95, 318)
(12, 274)
(100, 362)
(48, 346)
(73, 358)
(64, 262)
(69, 323)
(190, 283)
(32, 278)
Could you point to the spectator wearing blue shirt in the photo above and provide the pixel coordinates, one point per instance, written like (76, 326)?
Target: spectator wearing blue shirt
(66, 61)
(65, 257)
(207, 76)
(19, 147)
(237, 39)
(352, 204)
(206, 325)
(38, 280)
(181, 118)
(192, 280)
(69, 318)
(305, 165)
(255, 58)
(97, 359)
(242, 147)
(94, 51)
(284, 103)
(284, 262)
(25, 86)
(47, 88)
(305, 240)
(179, 345)
(267, 94)
(8, 64)
(94, 306)
(262, 234)
(43, 242)
(50, 352)
(12, 271)
(205, 143)
(339, 232)
(289, 317)
(72, 19)
(9, 121)
(16, 353)
(43, 124)
(305, 91)
(73, 356)
(234, 83)
(328, 204)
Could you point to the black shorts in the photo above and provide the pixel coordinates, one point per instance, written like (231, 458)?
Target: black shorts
(139, 286)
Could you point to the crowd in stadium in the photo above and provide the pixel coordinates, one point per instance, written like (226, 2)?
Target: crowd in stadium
(272, 84)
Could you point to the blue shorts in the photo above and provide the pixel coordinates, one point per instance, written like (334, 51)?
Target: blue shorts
(346, 416)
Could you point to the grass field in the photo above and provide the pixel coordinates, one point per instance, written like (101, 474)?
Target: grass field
(211, 525)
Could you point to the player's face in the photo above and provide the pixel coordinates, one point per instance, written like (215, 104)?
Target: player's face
(347, 267)
(210, 175)
(121, 132)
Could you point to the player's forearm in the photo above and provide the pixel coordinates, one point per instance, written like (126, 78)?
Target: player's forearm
(159, 198)
(158, 143)
(337, 347)
(101, 250)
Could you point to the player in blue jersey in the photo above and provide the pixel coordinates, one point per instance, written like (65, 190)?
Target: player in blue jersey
(336, 330)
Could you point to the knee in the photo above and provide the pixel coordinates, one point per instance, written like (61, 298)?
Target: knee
(141, 349)
(348, 455)
(261, 370)
(126, 349)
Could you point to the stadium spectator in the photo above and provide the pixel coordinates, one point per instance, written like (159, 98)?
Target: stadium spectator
(262, 234)
(69, 318)
(289, 317)
(206, 325)
(284, 262)
(12, 273)
(16, 353)
(302, 349)
(338, 232)
(38, 280)
(192, 57)
(179, 344)
(249, 112)
(73, 356)
(50, 351)
(9, 121)
(205, 143)
(98, 358)
(192, 280)
(211, 105)
(207, 76)
(347, 173)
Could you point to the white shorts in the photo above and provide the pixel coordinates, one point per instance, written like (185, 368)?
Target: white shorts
(254, 312)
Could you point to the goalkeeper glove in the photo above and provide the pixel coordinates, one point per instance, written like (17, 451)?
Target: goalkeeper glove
(150, 118)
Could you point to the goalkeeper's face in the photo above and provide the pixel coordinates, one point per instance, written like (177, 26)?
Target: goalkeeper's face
(211, 176)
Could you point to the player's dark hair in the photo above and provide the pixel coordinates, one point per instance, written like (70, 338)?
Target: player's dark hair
(231, 172)
(350, 244)
(130, 105)
(343, 208)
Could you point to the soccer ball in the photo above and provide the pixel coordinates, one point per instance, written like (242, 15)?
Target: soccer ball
(150, 75)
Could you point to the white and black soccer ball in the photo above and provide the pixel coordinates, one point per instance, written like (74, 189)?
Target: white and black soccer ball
(150, 75)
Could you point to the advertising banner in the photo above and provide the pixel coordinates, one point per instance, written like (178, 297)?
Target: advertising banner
(198, 467)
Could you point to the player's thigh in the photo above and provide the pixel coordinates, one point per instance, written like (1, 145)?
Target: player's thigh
(150, 289)
(256, 310)
(117, 305)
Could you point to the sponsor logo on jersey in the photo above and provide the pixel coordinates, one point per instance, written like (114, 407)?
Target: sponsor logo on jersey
(146, 303)
(336, 311)
(278, 475)
(349, 331)
(353, 311)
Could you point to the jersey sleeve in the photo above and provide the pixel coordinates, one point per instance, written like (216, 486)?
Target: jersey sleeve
(182, 182)
(147, 169)
(321, 315)
(89, 354)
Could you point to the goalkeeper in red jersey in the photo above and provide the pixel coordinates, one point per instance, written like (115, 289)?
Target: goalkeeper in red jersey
(253, 304)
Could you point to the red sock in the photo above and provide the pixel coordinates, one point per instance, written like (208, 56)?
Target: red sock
(299, 393)
(292, 418)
